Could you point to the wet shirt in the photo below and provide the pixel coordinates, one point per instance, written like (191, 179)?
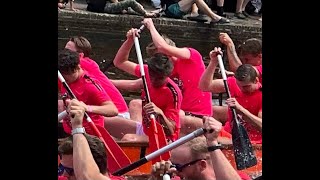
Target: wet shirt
(168, 98)
(252, 102)
(88, 90)
(187, 74)
(93, 69)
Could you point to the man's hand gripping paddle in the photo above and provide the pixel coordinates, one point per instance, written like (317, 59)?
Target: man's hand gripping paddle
(116, 157)
(155, 132)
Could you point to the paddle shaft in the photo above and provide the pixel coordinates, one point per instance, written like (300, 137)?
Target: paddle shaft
(143, 76)
(160, 151)
(242, 146)
(224, 77)
(62, 115)
(87, 117)
(166, 177)
(155, 132)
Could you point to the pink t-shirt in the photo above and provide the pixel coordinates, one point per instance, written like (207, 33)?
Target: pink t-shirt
(251, 102)
(187, 74)
(242, 175)
(259, 68)
(112, 177)
(93, 69)
(90, 94)
(168, 98)
(62, 178)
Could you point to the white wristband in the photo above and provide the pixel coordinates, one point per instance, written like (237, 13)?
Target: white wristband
(78, 131)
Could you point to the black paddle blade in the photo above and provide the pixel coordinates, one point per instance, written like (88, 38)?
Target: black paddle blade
(243, 151)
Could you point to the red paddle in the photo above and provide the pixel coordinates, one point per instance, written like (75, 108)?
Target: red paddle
(114, 163)
(155, 132)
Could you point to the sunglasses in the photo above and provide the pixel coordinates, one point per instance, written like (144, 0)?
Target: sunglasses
(62, 168)
(180, 167)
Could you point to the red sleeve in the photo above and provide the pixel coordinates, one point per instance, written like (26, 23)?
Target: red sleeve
(244, 176)
(259, 68)
(195, 55)
(172, 110)
(62, 178)
(97, 94)
(59, 85)
(233, 87)
(137, 70)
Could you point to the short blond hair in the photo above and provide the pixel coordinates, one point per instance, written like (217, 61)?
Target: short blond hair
(151, 49)
(198, 148)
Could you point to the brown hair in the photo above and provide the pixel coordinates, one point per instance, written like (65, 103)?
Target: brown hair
(246, 73)
(97, 149)
(82, 44)
(251, 46)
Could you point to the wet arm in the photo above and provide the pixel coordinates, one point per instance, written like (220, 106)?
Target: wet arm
(129, 85)
(107, 109)
(221, 165)
(84, 165)
(168, 125)
(256, 121)
(234, 60)
(121, 60)
(163, 47)
(207, 84)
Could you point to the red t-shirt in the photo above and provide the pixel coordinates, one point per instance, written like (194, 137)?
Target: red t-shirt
(187, 74)
(242, 175)
(62, 178)
(93, 69)
(110, 176)
(91, 94)
(116, 177)
(252, 102)
(259, 68)
(168, 98)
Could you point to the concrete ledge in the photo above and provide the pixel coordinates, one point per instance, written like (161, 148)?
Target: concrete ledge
(106, 32)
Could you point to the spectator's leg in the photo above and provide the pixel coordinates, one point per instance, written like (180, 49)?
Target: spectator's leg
(220, 10)
(186, 5)
(238, 13)
(116, 8)
(205, 9)
(243, 9)
(194, 9)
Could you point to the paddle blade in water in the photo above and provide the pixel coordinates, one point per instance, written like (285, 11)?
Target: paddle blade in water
(243, 151)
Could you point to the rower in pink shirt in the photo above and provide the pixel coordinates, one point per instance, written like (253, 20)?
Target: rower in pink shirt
(165, 95)
(246, 96)
(188, 68)
(83, 46)
(86, 89)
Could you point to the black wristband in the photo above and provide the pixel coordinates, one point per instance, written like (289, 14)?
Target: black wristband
(213, 148)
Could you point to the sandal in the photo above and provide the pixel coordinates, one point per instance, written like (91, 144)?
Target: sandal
(221, 21)
(199, 18)
(151, 15)
(239, 15)
(245, 14)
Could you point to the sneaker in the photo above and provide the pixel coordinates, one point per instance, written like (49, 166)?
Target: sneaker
(245, 14)
(239, 15)
(221, 21)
